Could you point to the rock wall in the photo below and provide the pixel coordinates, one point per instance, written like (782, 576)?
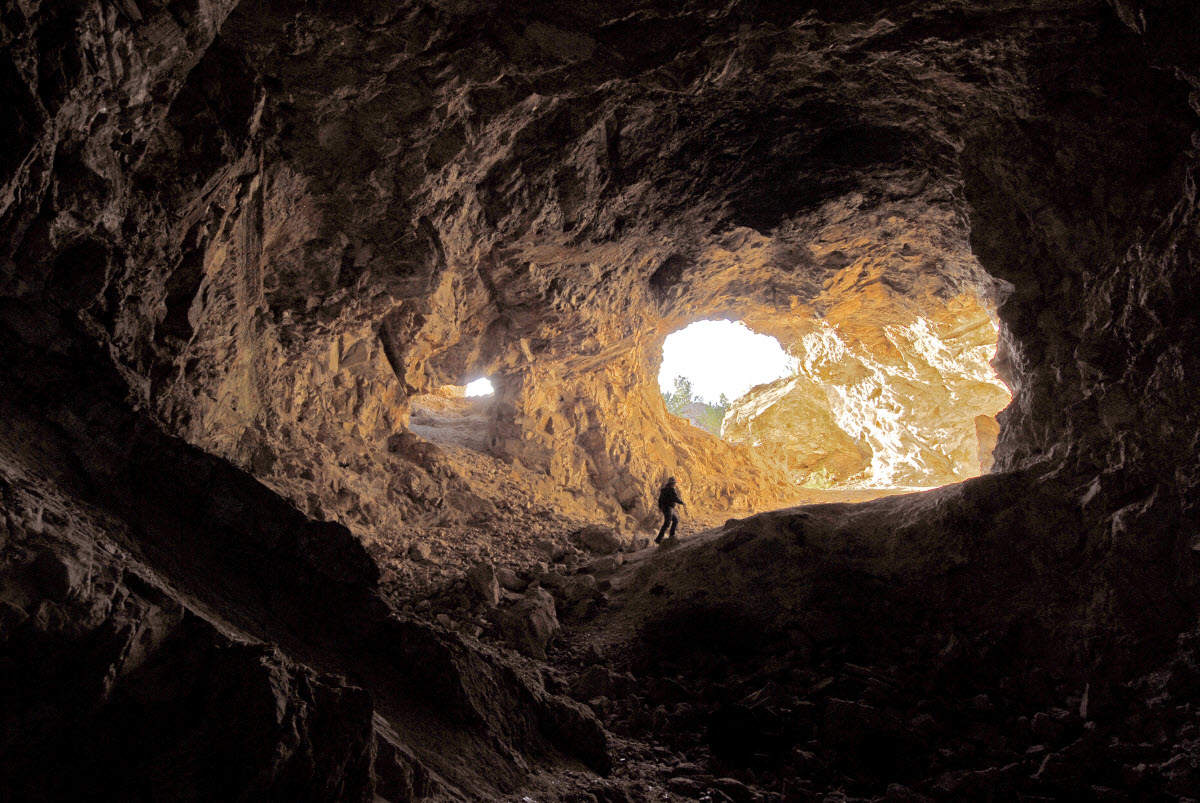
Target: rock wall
(132, 560)
(1082, 197)
(547, 229)
(152, 593)
(790, 420)
(889, 391)
(1099, 241)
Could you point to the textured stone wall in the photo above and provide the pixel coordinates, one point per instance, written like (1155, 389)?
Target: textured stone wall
(1086, 202)
(892, 389)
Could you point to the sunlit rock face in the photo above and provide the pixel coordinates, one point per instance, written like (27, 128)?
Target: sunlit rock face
(790, 419)
(893, 346)
(889, 392)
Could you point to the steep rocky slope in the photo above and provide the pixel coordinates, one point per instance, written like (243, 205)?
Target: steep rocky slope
(240, 237)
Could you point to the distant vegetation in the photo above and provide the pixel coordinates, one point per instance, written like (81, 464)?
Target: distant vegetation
(710, 416)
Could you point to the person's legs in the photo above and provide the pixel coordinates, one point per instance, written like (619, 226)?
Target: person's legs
(674, 521)
(666, 523)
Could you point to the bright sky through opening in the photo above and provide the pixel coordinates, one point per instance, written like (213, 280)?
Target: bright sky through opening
(722, 357)
(480, 387)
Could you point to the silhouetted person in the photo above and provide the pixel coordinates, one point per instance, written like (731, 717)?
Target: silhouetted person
(668, 498)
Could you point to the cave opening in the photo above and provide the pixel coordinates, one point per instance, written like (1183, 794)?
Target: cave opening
(710, 364)
(456, 415)
(479, 387)
(865, 395)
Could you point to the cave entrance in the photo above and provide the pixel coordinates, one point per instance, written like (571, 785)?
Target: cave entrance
(903, 401)
(454, 415)
(710, 363)
(480, 387)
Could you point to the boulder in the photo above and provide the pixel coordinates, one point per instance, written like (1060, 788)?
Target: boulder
(531, 623)
(58, 576)
(509, 581)
(599, 681)
(575, 588)
(686, 787)
(734, 789)
(554, 552)
(552, 580)
(606, 565)
(481, 578)
(598, 539)
(419, 552)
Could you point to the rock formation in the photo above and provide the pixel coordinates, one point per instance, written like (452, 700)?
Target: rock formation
(892, 389)
(241, 237)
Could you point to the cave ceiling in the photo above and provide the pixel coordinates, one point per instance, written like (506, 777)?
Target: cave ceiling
(554, 175)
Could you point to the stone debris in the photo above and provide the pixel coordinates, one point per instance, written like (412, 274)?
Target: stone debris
(531, 623)
(482, 579)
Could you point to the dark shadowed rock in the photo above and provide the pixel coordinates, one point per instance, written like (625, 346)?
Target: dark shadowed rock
(531, 623)
(58, 575)
(484, 584)
(508, 579)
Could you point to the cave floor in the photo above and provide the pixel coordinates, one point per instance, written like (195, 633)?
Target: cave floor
(526, 516)
(697, 710)
(704, 707)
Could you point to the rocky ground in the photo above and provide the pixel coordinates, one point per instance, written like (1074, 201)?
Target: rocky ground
(704, 705)
(710, 708)
(707, 707)
(698, 707)
(534, 525)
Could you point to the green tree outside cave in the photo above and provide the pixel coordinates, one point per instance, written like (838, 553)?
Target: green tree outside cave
(682, 395)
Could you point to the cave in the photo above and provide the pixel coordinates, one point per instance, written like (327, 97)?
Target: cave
(248, 246)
